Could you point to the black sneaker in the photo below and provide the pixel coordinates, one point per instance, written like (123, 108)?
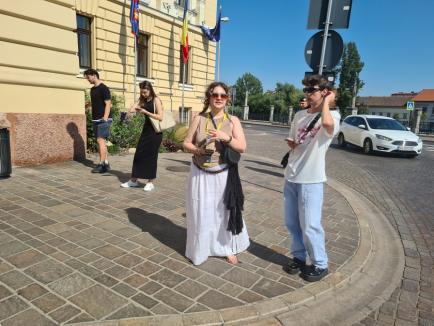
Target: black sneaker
(313, 273)
(295, 266)
(101, 168)
(98, 169)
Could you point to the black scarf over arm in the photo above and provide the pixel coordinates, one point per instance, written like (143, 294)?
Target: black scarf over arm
(233, 197)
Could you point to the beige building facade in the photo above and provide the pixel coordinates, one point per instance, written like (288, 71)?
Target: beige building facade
(47, 44)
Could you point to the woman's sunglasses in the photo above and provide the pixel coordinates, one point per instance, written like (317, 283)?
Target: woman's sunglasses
(221, 95)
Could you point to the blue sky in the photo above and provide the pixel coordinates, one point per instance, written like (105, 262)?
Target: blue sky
(395, 39)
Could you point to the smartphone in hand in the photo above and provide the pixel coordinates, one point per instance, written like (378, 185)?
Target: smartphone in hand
(289, 139)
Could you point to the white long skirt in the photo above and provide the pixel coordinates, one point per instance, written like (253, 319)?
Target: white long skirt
(207, 218)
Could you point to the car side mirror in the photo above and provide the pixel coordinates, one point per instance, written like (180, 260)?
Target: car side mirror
(362, 126)
(408, 128)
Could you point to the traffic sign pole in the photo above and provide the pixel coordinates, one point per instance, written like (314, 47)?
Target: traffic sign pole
(325, 37)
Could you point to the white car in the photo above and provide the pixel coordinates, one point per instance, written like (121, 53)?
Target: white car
(378, 133)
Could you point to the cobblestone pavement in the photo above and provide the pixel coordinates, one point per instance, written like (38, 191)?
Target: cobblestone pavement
(405, 197)
(402, 189)
(75, 247)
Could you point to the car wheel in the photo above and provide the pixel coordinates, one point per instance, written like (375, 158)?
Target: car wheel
(367, 146)
(341, 140)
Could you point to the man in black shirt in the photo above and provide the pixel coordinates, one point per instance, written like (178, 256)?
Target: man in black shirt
(101, 116)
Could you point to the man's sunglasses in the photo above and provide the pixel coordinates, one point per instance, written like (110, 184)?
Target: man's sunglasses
(221, 95)
(311, 89)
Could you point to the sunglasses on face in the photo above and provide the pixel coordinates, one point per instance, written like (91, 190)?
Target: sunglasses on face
(221, 95)
(311, 89)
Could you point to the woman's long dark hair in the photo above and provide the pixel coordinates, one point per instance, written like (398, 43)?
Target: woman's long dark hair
(208, 93)
(148, 85)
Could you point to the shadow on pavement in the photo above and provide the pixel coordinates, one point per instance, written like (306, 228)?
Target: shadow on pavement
(161, 228)
(275, 174)
(271, 165)
(359, 151)
(180, 161)
(175, 236)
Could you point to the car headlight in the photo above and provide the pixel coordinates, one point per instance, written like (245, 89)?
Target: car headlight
(383, 137)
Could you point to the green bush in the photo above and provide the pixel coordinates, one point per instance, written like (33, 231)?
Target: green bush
(173, 138)
(237, 111)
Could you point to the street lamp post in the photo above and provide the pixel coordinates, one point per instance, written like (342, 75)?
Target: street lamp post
(223, 20)
(246, 105)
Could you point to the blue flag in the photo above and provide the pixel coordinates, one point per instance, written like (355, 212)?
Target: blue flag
(213, 34)
(134, 17)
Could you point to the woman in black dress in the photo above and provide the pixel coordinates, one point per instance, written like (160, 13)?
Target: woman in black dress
(146, 156)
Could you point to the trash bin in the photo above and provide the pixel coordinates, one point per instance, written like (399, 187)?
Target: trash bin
(5, 153)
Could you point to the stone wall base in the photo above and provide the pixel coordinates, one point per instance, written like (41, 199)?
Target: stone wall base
(47, 138)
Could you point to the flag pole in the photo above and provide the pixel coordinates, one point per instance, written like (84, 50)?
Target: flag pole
(218, 61)
(135, 68)
(183, 88)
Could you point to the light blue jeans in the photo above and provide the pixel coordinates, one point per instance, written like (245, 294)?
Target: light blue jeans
(303, 207)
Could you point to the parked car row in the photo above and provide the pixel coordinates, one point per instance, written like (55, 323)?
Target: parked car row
(377, 133)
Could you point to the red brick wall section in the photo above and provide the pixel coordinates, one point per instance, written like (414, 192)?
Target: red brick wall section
(47, 138)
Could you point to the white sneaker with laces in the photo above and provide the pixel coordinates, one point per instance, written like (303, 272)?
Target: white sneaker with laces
(129, 184)
(149, 187)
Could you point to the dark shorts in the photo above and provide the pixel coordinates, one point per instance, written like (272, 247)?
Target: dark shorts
(101, 129)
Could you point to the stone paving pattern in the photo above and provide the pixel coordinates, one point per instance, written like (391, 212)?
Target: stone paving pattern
(75, 247)
(412, 302)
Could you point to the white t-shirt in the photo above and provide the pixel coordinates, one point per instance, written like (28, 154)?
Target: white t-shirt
(306, 162)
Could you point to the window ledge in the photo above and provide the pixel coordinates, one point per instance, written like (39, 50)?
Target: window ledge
(139, 79)
(186, 87)
(81, 72)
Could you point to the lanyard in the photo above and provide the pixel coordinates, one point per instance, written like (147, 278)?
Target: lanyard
(217, 127)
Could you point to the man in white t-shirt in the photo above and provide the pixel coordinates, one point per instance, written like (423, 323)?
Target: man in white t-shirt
(311, 133)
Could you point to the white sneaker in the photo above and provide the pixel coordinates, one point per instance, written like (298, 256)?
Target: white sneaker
(149, 187)
(129, 184)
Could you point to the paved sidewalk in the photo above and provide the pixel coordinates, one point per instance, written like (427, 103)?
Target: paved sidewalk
(75, 247)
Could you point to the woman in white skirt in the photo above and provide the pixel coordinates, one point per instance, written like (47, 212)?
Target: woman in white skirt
(207, 215)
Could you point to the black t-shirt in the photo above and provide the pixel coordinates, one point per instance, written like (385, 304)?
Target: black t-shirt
(98, 95)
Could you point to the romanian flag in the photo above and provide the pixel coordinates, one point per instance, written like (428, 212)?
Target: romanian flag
(184, 35)
(134, 17)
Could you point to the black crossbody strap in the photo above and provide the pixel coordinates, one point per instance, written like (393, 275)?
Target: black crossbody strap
(313, 122)
(212, 120)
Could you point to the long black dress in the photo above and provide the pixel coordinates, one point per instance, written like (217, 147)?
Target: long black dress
(146, 156)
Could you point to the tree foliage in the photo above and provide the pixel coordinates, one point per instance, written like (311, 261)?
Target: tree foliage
(349, 71)
(249, 81)
(283, 95)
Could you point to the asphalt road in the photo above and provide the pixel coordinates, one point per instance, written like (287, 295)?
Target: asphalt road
(411, 179)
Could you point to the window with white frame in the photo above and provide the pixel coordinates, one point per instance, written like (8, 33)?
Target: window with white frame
(142, 55)
(84, 41)
(184, 115)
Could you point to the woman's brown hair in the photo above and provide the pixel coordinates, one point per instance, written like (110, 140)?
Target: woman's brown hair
(208, 93)
(148, 85)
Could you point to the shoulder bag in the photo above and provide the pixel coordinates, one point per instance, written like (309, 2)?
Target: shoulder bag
(167, 122)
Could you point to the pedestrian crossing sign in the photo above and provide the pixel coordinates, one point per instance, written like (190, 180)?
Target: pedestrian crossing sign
(410, 106)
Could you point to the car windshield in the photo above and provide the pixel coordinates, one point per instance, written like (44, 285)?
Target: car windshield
(385, 124)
